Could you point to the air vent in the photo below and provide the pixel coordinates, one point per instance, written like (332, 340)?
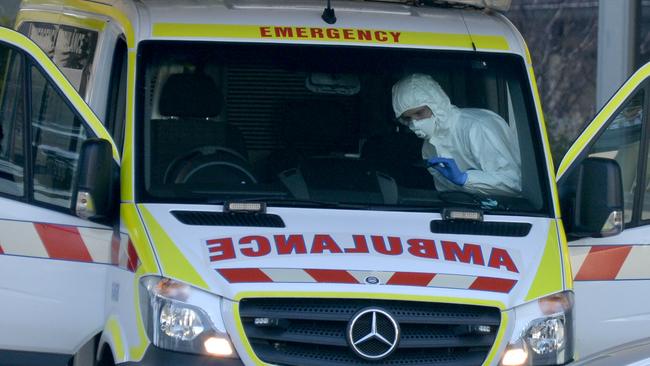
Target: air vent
(204, 218)
(517, 229)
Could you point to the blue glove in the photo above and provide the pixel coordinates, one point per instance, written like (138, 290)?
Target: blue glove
(449, 169)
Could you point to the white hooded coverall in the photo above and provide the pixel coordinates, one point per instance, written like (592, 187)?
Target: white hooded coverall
(479, 140)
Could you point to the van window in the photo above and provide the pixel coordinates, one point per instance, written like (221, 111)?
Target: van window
(621, 141)
(71, 48)
(57, 135)
(314, 125)
(12, 114)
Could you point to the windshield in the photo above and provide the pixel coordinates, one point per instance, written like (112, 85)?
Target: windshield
(357, 127)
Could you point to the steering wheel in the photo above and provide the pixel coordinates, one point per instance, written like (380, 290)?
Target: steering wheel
(208, 164)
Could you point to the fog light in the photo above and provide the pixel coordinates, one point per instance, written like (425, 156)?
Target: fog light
(180, 322)
(515, 357)
(218, 346)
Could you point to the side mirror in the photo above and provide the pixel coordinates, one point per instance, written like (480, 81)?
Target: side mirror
(598, 209)
(96, 181)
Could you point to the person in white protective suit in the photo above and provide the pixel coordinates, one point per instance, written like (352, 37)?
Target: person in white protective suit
(467, 149)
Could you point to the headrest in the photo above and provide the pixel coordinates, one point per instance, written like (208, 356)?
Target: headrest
(190, 95)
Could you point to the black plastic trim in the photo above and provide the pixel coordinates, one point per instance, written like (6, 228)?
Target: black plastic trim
(207, 218)
(155, 356)
(22, 358)
(487, 228)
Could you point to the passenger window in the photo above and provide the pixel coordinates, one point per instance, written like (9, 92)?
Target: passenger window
(43, 34)
(73, 54)
(621, 142)
(72, 49)
(57, 135)
(12, 125)
(116, 109)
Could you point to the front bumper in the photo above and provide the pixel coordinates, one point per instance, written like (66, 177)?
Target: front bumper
(155, 356)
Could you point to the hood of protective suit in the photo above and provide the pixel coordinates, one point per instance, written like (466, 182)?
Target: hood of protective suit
(419, 90)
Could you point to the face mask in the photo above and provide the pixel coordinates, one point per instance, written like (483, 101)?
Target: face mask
(423, 128)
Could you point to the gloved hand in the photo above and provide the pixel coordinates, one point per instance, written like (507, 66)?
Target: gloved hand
(449, 169)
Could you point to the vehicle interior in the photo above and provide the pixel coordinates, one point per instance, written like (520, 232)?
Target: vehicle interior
(224, 121)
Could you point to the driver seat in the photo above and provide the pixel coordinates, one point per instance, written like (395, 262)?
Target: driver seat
(189, 104)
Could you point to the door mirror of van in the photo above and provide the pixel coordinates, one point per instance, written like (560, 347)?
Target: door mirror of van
(96, 181)
(598, 210)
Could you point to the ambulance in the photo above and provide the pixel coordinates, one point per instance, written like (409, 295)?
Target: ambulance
(224, 182)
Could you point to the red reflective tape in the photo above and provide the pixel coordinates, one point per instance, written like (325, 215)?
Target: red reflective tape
(331, 276)
(410, 279)
(241, 275)
(603, 263)
(132, 263)
(115, 249)
(493, 284)
(63, 242)
(1, 251)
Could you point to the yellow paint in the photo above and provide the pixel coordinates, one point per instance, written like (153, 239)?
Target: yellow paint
(61, 81)
(546, 143)
(499, 339)
(56, 17)
(566, 256)
(137, 351)
(548, 279)
(128, 170)
(138, 235)
(172, 261)
(112, 327)
(362, 295)
(603, 116)
(327, 34)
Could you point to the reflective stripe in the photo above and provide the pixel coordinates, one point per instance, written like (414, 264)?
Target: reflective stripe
(548, 277)
(420, 279)
(172, 260)
(611, 262)
(71, 243)
(603, 263)
(96, 243)
(329, 34)
(63, 242)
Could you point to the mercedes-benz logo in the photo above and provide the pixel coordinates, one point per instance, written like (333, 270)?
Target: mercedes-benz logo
(373, 334)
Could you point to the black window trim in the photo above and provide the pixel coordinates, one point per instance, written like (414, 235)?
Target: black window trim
(24, 197)
(642, 178)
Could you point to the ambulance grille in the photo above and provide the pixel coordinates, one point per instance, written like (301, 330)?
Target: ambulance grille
(312, 332)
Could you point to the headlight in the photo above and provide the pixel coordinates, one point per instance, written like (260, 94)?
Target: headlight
(543, 333)
(182, 318)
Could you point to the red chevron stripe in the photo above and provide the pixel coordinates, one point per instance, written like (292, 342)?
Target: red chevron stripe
(410, 279)
(502, 285)
(603, 263)
(241, 275)
(132, 263)
(331, 276)
(63, 242)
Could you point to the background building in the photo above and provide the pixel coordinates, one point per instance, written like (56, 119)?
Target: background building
(564, 38)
